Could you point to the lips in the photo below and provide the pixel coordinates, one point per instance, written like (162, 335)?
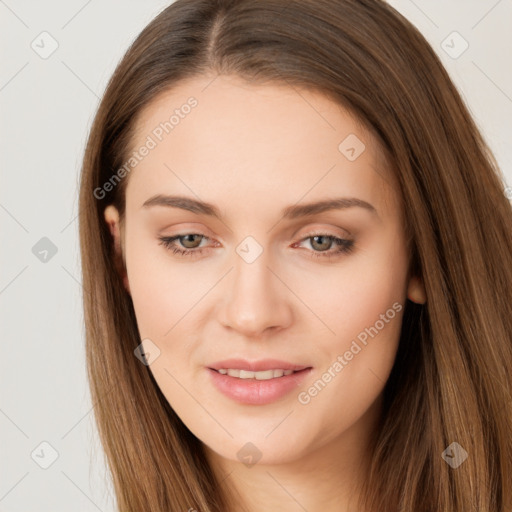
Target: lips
(256, 366)
(249, 391)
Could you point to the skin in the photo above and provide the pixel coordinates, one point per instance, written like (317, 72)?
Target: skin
(253, 150)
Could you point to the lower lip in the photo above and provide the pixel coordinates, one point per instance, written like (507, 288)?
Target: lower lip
(257, 392)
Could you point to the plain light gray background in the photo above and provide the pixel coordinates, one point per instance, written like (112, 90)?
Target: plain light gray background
(47, 105)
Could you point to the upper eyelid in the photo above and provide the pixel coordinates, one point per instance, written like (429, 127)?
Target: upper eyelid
(345, 233)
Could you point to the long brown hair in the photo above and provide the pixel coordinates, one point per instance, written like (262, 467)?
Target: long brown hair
(451, 378)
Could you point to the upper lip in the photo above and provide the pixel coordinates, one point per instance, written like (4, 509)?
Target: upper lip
(256, 366)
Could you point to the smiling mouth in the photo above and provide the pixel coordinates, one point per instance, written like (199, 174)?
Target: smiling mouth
(248, 387)
(260, 375)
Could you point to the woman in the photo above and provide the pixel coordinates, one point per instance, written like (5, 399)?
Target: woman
(297, 251)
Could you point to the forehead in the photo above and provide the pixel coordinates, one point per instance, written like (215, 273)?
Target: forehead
(211, 134)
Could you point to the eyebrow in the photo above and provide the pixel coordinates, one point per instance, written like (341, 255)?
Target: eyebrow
(290, 212)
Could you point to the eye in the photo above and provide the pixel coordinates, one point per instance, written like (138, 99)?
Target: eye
(323, 242)
(189, 242)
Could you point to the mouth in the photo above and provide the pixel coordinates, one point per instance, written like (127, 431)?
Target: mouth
(238, 364)
(260, 387)
(272, 373)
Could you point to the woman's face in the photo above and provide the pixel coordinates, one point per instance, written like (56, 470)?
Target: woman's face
(263, 279)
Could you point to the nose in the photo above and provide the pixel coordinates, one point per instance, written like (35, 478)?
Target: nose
(256, 299)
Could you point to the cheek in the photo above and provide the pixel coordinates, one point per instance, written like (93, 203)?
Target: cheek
(363, 306)
(160, 291)
(365, 314)
(359, 292)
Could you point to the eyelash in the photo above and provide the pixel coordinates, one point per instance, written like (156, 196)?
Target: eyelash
(343, 246)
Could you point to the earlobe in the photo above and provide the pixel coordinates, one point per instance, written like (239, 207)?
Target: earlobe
(112, 219)
(416, 290)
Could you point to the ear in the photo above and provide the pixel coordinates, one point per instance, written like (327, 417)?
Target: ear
(416, 290)
(112, 219)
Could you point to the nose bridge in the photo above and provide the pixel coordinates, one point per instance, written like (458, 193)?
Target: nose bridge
(256, 299)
